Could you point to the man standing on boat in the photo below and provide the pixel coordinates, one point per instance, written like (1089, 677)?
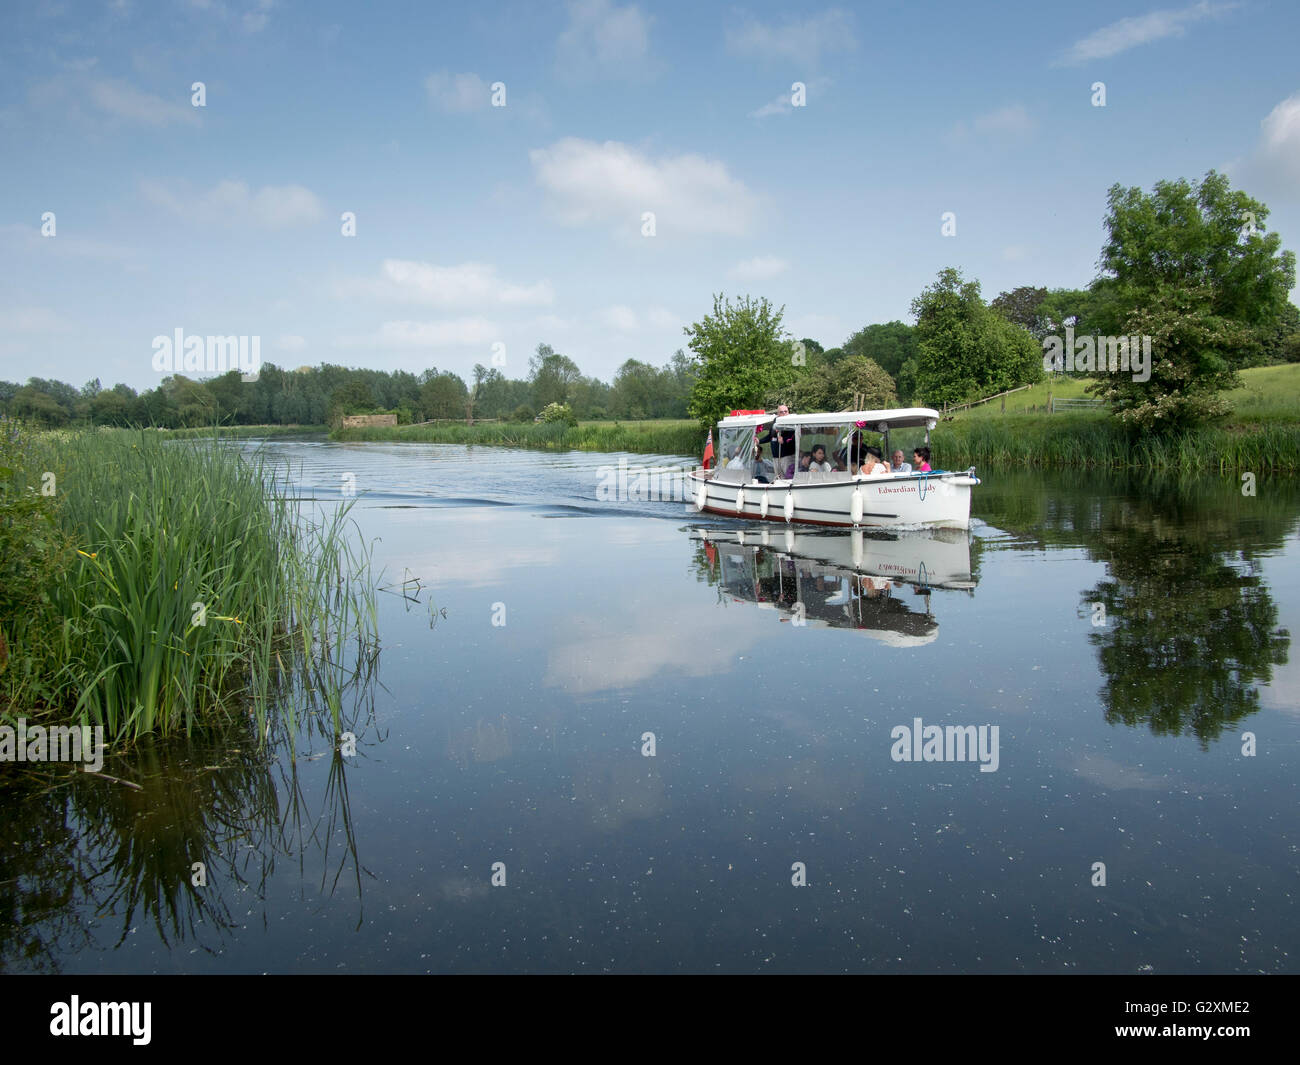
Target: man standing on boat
(782, 443)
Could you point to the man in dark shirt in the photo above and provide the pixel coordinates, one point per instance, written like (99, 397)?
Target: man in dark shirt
(782, 442)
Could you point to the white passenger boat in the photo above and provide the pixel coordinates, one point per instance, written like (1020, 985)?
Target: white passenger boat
(760, 475)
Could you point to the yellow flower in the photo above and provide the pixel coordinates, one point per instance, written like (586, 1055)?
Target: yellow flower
(81, 552)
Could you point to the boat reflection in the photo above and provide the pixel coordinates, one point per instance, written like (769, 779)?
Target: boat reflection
(878, 584)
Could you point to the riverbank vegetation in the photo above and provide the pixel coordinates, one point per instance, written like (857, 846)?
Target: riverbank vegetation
(156, 586)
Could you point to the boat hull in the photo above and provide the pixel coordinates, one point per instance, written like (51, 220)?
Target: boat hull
(940, 500)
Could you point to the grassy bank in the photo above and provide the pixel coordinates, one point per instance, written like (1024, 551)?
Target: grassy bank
(169, 584)
(243, 432)
(1261, 434)
(667, 437)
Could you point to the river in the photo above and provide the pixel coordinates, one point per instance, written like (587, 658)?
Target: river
(612, 735)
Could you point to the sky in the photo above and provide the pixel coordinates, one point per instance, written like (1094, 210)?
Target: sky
(646, 157)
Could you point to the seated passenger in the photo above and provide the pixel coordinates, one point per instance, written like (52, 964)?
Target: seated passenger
(921, 456)
(898, 465)
(736, 463)
(805, 461)
(819, 460)
(872, 466)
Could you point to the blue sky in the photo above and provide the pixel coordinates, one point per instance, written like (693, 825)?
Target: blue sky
(479, 225)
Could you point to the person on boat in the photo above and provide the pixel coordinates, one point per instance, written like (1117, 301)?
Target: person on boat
(921, 456)
(782, 442)
(898, 465)
(872, 465)
(819, 460)
(805, 462)
(736, 463)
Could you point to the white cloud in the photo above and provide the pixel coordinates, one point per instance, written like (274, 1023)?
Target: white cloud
(619, 317)
(457, 93)
(784, 104)
(663, 318)
(779, 105)
(1138, 30)
(30, 320)
(614, 183)
(254, 21)
(1013, 120)
(602, 39)
(1274, 167)
(760, 268)
(125, 101)
(797, 41)
(464, 285)
(448, 332)
(271, 206)
(18, 237)
(1015, 253)
(291, 342)
(252, 17)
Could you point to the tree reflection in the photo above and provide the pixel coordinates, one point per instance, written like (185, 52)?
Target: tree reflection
(1190, 627)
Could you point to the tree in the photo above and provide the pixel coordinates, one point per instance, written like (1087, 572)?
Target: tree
(444, 396)
(964, 349)
(742, 351)
(1023, 307)
(1195, 238)
(551, 376)
(1192, 352)
(889, 345)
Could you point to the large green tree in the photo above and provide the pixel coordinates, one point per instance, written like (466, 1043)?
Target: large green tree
(742, 351)
(1192, 266)
(965, 350)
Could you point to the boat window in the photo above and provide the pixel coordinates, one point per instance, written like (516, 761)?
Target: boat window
(736, 460)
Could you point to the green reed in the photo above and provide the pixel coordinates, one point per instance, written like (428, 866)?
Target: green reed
(1088, 440)
(666, 437)
(198, 590)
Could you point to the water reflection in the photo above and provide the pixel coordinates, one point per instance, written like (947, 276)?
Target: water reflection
(180, 836)
(1184, 625)
(878, 584)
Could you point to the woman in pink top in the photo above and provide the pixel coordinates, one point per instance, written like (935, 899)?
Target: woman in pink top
(921, 460)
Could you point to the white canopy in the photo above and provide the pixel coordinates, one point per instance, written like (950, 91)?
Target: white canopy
(741, 420)
(903, 417)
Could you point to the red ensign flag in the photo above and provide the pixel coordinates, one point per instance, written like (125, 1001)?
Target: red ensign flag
(708, 450)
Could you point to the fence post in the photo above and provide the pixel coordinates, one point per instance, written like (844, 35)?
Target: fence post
(1004, 404)
(1050, 408)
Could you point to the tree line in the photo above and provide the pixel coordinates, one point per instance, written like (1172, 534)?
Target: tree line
(322, 394)
(1189, 266)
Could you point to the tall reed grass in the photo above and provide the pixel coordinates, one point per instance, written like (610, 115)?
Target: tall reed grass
(196, 589)
(1087, 440)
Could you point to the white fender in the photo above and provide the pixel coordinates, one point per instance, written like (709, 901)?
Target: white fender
(740, 537)
(762, 505)
(856, 539)
(789, 539)
(740, 501)
(855, 507)
(764, 539)
(701, 495)
(789, 506)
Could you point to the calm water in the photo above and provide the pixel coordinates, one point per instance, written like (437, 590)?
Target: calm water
(1124, 637)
